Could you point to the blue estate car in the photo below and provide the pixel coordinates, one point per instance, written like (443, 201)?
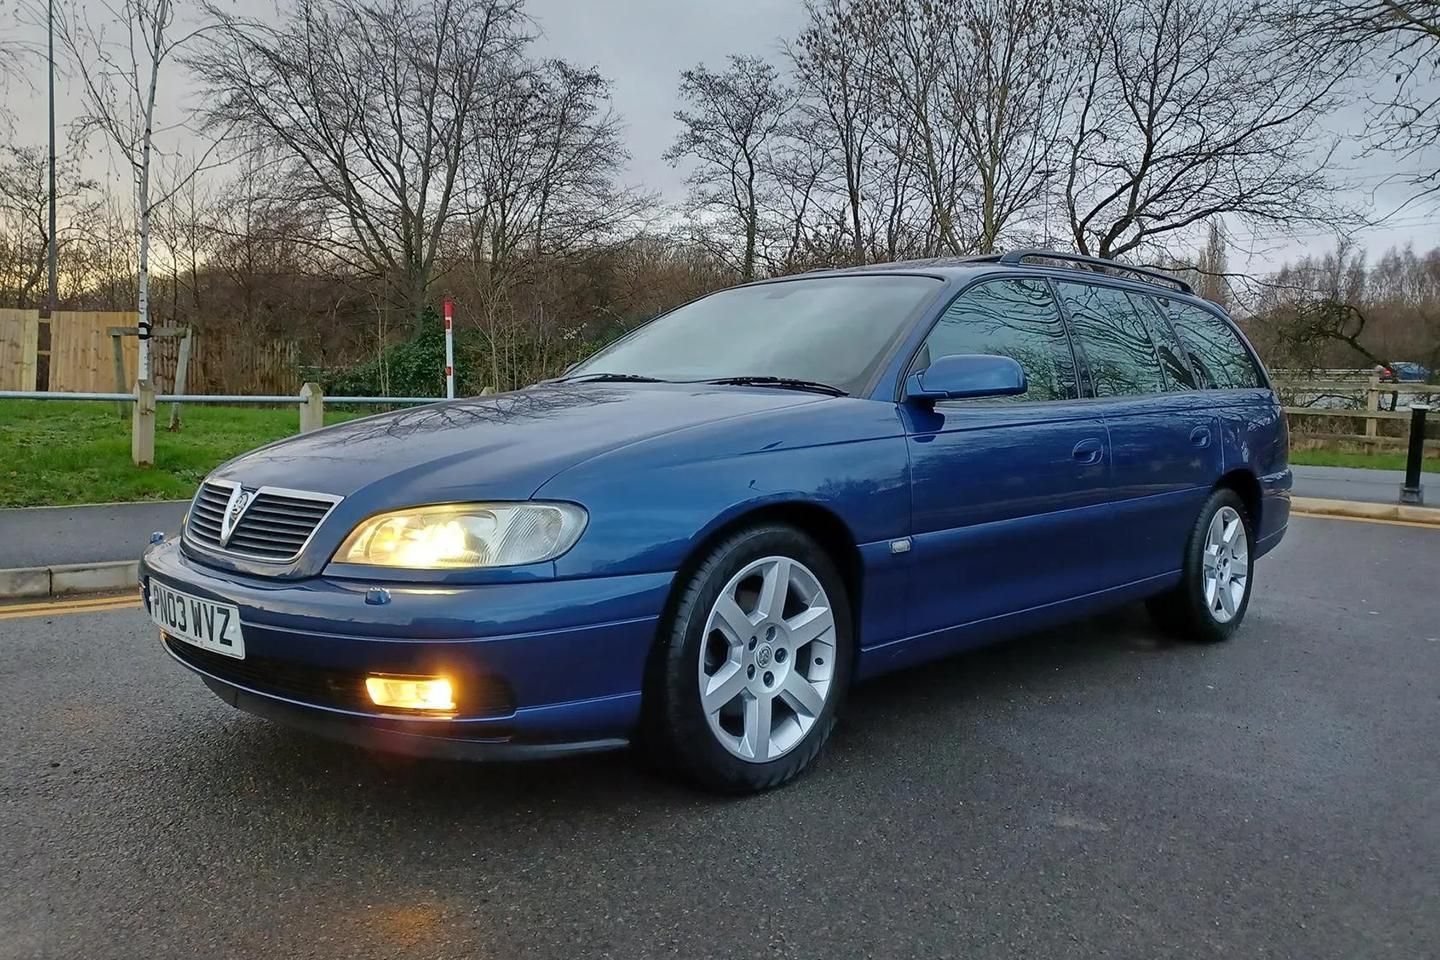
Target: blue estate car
(700, 537)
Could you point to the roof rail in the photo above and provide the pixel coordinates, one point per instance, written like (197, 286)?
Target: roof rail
(1016, 257)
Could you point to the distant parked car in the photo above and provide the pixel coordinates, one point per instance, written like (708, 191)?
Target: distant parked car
(1405, 372)
(701, 536)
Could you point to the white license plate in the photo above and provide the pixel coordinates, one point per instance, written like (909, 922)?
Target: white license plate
(204, 623)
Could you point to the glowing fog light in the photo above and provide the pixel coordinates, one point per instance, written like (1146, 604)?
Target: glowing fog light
(411, 693)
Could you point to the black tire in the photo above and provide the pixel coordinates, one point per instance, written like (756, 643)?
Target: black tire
(1184, 610)
(677, 727)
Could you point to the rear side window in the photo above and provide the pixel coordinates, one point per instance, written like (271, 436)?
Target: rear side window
(1219, 358)
(1167, 344)
(1115, 340)
(1009, 318)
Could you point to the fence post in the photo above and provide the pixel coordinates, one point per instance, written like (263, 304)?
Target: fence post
(119, 370)
(142, 425)
(182, 371)
(1372, 404)
(312, 407)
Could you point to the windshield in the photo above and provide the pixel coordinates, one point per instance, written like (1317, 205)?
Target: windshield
(830, 330)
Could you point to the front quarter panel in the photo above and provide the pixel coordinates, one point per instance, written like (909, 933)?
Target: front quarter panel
(653, 503)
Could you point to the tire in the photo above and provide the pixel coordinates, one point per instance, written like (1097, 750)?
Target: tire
(1209, 604)
(757, 649)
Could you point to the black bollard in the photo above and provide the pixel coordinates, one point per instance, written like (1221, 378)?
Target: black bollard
(1411, 491)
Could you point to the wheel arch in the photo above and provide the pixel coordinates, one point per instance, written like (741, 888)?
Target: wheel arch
(1247, 486)
(815, 520)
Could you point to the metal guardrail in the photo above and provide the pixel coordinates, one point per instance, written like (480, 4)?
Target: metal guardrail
(311, 401)
(204, 398)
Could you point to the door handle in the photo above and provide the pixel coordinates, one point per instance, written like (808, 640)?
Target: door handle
(1089, 451)
(1200, 437)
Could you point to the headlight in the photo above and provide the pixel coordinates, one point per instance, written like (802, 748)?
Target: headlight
(454, 535)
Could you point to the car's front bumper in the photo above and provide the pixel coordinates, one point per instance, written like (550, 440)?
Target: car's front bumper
(561, 661)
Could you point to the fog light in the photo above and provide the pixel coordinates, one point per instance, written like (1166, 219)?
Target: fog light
(411, 693)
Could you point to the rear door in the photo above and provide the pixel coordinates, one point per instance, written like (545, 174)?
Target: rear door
(1008, 495)
(1163, 433)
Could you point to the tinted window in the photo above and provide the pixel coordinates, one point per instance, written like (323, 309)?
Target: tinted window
(1115, 340)
(1219, 358)
(833, 330)
(1167, 344)
(1009, 318)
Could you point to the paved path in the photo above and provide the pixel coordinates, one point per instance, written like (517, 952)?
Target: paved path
(1098, 791)
(37, 537)
(1358, 483)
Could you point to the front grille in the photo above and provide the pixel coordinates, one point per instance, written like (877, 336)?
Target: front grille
(479, 695)
(275, 525)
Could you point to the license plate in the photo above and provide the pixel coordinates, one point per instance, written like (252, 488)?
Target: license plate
(204, 623)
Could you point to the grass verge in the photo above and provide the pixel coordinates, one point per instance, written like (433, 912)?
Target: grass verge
(59, 451)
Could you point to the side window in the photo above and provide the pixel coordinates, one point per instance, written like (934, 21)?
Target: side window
(1009, 318)
(1115, 340)
(1219, 358)
(1167, 343)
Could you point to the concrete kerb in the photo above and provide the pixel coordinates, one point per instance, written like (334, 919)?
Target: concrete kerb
(68, 578)
(1358, 510)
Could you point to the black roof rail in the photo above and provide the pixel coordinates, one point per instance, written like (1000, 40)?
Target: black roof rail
(1016, 257)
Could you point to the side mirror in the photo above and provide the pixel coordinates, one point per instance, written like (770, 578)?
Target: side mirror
(965, 377)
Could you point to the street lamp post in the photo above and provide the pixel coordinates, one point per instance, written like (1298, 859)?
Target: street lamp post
(52, 296)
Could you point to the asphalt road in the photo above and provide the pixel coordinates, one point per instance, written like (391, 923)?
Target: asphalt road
(1093, 792)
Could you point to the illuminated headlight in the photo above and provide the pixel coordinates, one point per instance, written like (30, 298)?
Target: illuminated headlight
(457, 535)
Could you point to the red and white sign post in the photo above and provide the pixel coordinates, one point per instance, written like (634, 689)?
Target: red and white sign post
(449, 349)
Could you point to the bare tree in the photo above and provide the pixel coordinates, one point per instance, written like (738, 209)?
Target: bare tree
(1007, 65)
(835, 72)
(119, 82)
(25, 221)
(1192, 109)
(1398, 43)
(910, 41)
(736, 118)
(538, 188)
(366, 109)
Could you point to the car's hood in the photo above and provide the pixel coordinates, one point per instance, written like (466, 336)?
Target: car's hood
(498, 447)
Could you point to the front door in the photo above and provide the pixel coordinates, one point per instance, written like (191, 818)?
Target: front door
(1010, 496)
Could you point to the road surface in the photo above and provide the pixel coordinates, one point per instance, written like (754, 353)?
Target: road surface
(1093, 792)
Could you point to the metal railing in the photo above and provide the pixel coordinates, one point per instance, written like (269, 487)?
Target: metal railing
(204, 398)
(311, 402)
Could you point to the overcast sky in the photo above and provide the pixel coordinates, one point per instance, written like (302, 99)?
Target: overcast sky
(642, 45)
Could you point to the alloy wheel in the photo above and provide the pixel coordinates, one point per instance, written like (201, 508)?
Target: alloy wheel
(767, 660)
(1226, 564)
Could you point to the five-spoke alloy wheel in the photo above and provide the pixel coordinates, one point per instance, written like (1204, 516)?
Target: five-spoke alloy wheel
(754, 663)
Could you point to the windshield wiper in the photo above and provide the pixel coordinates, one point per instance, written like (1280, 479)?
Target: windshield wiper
(611, 378)
(784, 383)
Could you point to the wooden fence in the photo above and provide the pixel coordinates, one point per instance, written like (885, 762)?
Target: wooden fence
(74, 352)
(1381, 409)
(19, 342)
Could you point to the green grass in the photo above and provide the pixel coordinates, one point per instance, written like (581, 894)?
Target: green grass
(1373, 461)
(60, 451)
